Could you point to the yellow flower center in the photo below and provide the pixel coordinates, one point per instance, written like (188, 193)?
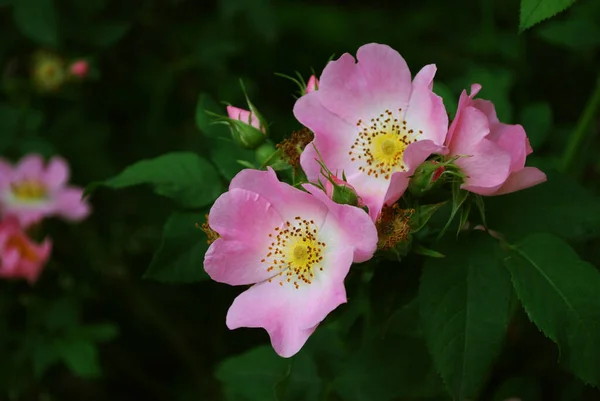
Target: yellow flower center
(29, 190)
(380, 145)
(295, 253)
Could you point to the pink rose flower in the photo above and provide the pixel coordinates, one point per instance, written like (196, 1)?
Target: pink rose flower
(80, 68)
(312, 84)
(371, 122)
(295, 247)
(19, 256)
(494, 153)
(30, 191)
(244, 116)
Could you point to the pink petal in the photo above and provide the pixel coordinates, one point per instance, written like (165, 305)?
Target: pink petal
(70, 206)
(244, 116)
(488, 108)
(333, 137)
(288, 201)
(244, 219)
(470, 129)
(513, 140)
(30, 166)
(379, 81)
(372, 190)
(312, 84)
(525, 178)
(288, 314)
(348, 224)
(57, 173)
(463, 102)
(426, 111)
(6, 172)
(487, 167)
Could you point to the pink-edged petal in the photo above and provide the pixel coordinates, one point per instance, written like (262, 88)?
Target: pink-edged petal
(6, 171)
(379, 81)
(513, 139)
(426, 111)
(27, 216)
(486, 168)
(525, 178)
(288, 201)
(487, 107)
(288, 314)
(70, 206)
(30, 166)
(371, 190)
(463, 102)
(237, 262)
(347, 224)
(56, 174)
(470, 129)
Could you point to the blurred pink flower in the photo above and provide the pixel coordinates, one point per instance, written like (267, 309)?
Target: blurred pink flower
(371, 122)
(295, 247)
(80, 68)
(492, 153)
(30, 191)
(19, 256)
(245, 116)
(312, 84)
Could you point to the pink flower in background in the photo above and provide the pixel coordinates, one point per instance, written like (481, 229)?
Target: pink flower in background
(312, 84)
(494, 153)
(80, 68)
(19, 256)
(295, 247)
(371, 122)
(31, 191)
(244, 116)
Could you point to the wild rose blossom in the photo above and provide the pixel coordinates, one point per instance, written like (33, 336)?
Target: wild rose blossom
(372, 123)
(295, 247)
(30, 191)
(492, 153)
(19, 256)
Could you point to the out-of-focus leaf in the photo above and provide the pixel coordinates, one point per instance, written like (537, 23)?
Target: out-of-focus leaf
(449, 98)
(80, 356)
(181, 253)
(254, 375)
(578, 34)
(464, 303)
(303, 382)
(559, 206)
(495, 86)
(559, 292)
(37, 20)
(182, 176)
(535, 11)
(98, 332)
(523, 388)
(536, 118)
(107, 33)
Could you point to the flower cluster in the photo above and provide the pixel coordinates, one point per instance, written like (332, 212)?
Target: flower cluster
(30, 192)
(375, 131)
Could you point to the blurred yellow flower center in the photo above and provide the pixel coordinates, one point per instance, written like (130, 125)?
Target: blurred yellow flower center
(380, 145)
(29, 190)
(295, 253)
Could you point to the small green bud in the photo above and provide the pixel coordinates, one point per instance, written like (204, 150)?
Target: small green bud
(426, 178)
(344, 195)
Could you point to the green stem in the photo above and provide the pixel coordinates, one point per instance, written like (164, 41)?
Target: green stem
(582, 130)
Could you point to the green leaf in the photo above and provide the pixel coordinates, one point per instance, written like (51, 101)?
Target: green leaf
(449, 98)
(182, 176)
(578, 31)
(523, 388)
(80, 356)
(559, 206)
(98, 332)
(254, 375)
(107, 33)
(303, 382)
(37, 20)
(181, 254)
(394, 366)
(465, 307)
(536, 118)
(559, 292)
(535, 11)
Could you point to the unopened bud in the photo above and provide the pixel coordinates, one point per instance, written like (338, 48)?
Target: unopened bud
(246, 128)
(312, 84)
(341, 192)
(79, 68)
(426, 178)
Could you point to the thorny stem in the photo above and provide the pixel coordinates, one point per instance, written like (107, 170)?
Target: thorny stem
(582, 130)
